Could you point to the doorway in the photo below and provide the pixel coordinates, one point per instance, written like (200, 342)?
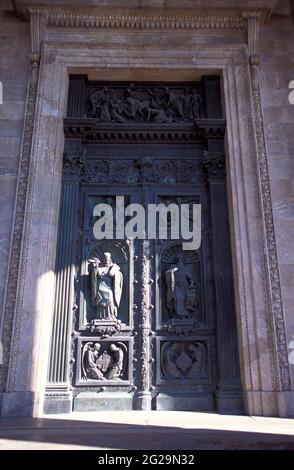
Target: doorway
(152, 326)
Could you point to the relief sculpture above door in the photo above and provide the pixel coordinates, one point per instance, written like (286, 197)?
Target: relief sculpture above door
(142, 322)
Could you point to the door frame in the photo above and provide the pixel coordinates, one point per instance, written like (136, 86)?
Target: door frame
(261, 333)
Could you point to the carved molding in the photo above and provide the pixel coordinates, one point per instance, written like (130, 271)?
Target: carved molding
(146, 22)
(89, 132)
(273, 285)
(16, 274)
(145, 325)
(275, 324)
(150, 8)
(132, 171)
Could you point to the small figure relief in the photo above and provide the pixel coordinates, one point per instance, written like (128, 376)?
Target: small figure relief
(198, 355)
(181, 290)
(115, 370)
(169, 356)
(110, 364)
(106, 287)
(90, 357)
(184, 360)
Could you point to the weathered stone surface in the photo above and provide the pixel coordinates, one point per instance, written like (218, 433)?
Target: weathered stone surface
(89, 401)
(277, 70)
(181, 402)
(14, 65)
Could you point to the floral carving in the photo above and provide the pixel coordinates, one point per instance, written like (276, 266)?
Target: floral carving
(184, 360)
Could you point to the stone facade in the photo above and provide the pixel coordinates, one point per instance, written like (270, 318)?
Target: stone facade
(14, 74)
(261, 184)
(277, 70)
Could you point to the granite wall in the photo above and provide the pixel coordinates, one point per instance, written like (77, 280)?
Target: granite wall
(14, 69)
(277, 70)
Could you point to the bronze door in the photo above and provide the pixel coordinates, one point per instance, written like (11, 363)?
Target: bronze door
(142, 323)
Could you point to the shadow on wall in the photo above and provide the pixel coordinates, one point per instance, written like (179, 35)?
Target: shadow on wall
(101, 435)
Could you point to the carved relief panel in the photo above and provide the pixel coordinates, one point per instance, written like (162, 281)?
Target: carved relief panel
(180, 293)
(183, 361)
(104, 362)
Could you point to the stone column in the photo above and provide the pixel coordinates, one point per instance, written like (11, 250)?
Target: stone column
(58, 396)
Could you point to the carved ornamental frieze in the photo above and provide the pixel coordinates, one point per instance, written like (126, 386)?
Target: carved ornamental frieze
(131, 171)
(144, 104)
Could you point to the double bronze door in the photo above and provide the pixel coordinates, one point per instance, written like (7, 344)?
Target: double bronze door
(153, 324)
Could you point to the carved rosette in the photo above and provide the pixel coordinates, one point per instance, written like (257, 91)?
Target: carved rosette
(214, 163)
(74, 163)
(184, 360)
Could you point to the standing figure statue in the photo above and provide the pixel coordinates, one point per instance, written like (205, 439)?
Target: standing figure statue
(106, 287)
(181, 290)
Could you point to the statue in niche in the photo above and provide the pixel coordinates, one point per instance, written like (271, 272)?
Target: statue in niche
(106, 287)
(91, 355)
(198, 355)
(181, 290)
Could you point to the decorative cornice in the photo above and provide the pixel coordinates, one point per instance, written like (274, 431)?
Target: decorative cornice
(146, 22)
(88, 132)
(151, 8)
(211, 17)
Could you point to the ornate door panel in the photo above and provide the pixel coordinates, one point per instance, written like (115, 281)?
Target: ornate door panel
(141, 323)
